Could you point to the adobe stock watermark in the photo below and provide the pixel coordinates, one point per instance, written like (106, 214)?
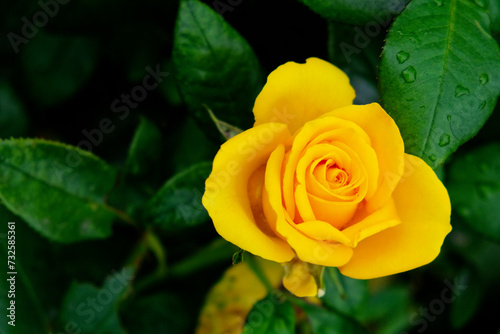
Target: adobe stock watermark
(372, 29)
(88, 309)
(121, 107)
(39, 19)
(437, 306)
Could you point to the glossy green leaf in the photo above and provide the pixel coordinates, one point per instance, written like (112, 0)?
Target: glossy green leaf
(145, 148)
(177, 204)
(92, 310)
(357, 11)
(270, 315)
(13, 120)
(439, 80)
(343, 294)
(58, 190)
(57, 66)
(214, 66)
(474, 187)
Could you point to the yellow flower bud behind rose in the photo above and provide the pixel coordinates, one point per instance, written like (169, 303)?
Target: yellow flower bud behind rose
(321, 181)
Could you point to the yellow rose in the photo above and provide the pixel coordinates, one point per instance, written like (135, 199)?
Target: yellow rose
(320, 181)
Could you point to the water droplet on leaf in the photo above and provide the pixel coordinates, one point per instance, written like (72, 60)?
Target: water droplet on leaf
(444, 139)
(402, 56)
(439, 3)
(483, 79)
(409, 74)
(461, 91)
(432, 157)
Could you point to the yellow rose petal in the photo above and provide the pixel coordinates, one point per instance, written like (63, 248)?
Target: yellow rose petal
(297, 93)
(323, 231)
(424, 208)
(226, 191)
(386, 141)
(365, 224)
(306, 248)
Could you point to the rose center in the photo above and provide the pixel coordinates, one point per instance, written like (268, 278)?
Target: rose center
(336, 177)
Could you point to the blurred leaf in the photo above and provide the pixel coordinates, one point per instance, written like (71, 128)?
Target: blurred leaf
(218, 250)
(57, 66)
(494, 14)
(468, 301)
(344, 294)
(177, 204)
(145, 148)
(215, 66)
(474, 187)
(58, 190)
(357, 11)
(13, 121)
(162, 312)
(326, 322)
(440, 81)
(92, 310)
(270, 317)
(387, 310)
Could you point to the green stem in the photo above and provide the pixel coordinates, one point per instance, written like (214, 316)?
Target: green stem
(335, 278)
(257, 270)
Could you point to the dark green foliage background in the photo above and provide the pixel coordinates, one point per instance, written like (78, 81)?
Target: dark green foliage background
(127, 216)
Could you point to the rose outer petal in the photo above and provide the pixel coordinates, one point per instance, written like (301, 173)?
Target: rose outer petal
(297, 93)
(226, 195)
(424, 208)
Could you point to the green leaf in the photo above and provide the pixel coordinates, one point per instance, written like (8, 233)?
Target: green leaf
(217, 251)
(13, 121)
(326, 322)
(468, 301)
(270, 315)
(177, 204)
(145, 148)
(215, 67)
(162, 312)
(188, 135)
(387, 309)
(494, 14)
(357, 11)
(343, 294)
(58, 190)
(474, 187)
(92, 310)
(57, 66)
(439, 80)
